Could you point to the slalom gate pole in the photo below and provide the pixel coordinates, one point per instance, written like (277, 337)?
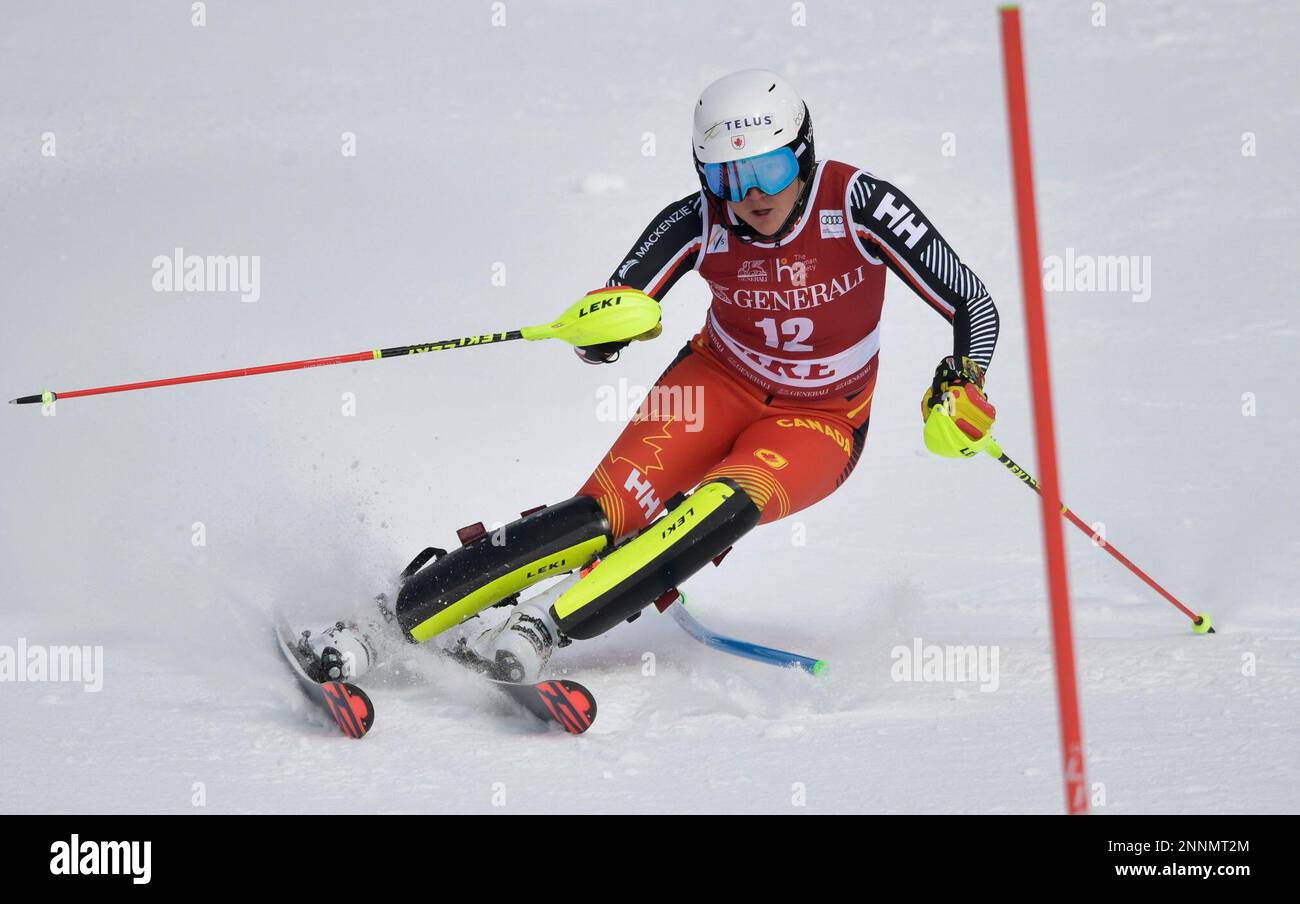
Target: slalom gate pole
(1067, 692)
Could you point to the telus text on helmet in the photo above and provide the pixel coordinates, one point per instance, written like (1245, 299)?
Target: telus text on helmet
(747, 123)
(735, 125)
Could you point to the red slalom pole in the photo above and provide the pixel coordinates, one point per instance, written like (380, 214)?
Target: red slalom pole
(1067, 691)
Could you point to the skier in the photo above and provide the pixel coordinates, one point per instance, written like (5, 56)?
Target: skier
(795, 252)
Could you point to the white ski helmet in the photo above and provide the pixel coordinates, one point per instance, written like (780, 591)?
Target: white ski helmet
(757, 117)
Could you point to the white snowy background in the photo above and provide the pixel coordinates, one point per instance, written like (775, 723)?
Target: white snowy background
(523, 144)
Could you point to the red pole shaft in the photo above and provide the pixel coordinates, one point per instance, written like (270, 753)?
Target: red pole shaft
(1123, 560)
(222, 374)
(372, 355)
(1028, 480)
(1067, 693)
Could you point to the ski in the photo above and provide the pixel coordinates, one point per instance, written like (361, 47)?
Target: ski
(559, 700)
(345, 703)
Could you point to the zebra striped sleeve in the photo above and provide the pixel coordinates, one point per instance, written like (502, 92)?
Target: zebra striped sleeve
(888, 225)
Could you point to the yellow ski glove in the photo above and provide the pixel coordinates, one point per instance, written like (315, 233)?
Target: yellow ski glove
(957, 414)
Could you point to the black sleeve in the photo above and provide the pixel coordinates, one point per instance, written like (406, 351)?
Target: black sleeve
(888, 225)
(665, 251)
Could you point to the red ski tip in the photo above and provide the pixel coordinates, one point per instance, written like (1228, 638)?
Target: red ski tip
(350, 708)
(569, 703)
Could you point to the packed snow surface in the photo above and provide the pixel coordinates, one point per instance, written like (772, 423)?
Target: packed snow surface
(410, 172)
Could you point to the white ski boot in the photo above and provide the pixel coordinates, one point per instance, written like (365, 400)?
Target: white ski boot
(338, 652)
(518, 649)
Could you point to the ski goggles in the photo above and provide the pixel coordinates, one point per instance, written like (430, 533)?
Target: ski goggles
(770, 173)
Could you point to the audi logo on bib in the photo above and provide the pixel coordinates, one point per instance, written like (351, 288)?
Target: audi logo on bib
(832, 223)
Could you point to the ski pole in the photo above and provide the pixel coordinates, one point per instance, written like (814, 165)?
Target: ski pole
(618, 314)
(1201, 623)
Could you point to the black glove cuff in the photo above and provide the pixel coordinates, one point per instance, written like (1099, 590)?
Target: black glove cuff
(605, 353)
(957, 371)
